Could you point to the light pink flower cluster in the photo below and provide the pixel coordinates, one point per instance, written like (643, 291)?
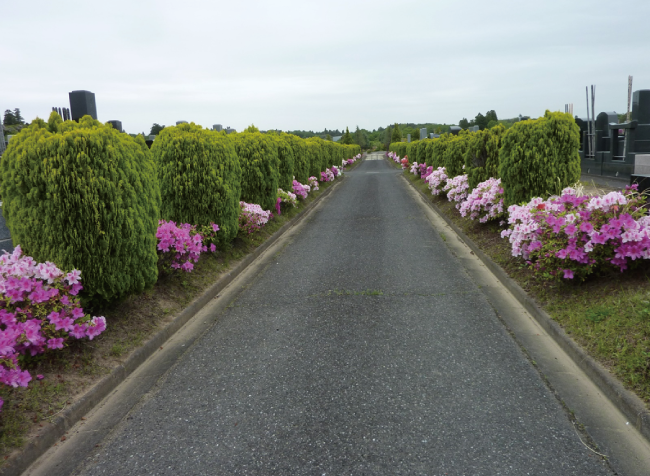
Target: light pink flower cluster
(335, 171)
(415, 168)
(457, 189)
(301, 190)
(437, 180)
(313, 183)
(394, 157)
(252, 217)
(577, 235)
(486, 200)
(39, 311)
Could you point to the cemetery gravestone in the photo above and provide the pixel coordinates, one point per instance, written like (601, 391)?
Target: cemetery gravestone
(5, 236)
(423, 133)
(2, 139)
(116, 124)
(82, 103)
(217, 127)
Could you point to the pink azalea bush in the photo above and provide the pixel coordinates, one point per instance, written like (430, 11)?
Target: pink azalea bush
(573, 236)
(39, 312)
(335, 171)
(405, 163)
(485, 202)
(457, 189)
(301, 190)
(437, 180)
(327, 176)
(313, 183)
(252, 217)
(285, 197)
(415, 168)
(394, 157)
(180, 245)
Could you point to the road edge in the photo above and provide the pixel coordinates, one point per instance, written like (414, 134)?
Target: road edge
(19, 462)
(628, 403)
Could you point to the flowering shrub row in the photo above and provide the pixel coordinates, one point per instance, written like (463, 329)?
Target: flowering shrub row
(39, 311)
(565, 236)
(39, 307)
(573, 236)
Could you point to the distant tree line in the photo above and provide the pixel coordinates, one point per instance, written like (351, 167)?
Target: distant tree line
(13, 122)
(13, 118)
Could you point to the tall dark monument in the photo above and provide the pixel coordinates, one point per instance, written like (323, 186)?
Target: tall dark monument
(82, 103)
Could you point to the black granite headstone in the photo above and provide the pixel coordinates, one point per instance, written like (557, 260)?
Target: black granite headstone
(82, 103)
(116, 125)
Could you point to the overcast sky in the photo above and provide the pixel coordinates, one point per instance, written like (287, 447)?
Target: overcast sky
(291, 64)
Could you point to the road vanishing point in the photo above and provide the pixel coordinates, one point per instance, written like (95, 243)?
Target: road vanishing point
(359, 344)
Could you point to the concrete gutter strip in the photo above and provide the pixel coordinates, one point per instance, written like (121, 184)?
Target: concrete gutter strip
(18, 462)
(627, 402)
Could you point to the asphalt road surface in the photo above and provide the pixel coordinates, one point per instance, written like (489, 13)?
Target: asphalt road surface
(364, 348)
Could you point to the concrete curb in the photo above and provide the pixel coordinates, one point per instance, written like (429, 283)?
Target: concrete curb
(627, 402)
(20, 461)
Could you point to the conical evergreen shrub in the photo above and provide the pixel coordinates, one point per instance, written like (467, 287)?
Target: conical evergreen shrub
(85, 196)
(539, 157)
(286, 161)
(317, 162)
(258, 157)
(200, 178)
(482, 155)
(301, 157)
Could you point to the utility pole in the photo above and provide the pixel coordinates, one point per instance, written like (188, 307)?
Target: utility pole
(627, 119)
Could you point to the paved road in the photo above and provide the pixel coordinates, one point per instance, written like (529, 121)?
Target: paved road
(363, 349)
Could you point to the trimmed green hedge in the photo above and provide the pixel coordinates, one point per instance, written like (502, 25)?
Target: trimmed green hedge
(258, 157)
(436, 152)
(301, 157)
(539, 157)
(454, 154)
(482, 155)
(287, 161)
(421, 152)
(411, 150)
(317, 162)
(200, 178)
(84, 196)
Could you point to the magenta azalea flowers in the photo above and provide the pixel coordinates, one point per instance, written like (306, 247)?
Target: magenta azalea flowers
(567, 236)
(575, 235)
(301, 190)
(39, 312)
(181, 245)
